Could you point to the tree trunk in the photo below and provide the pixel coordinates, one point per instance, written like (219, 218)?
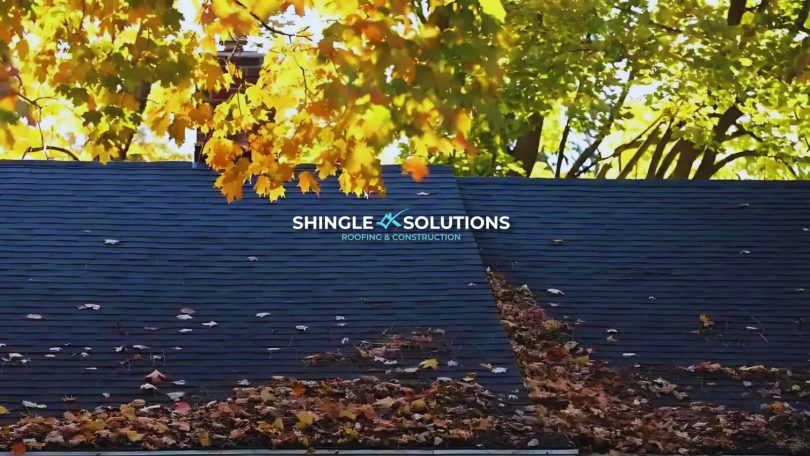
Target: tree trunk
(735, 12)
(668, 159)
(688, 155)
(659, 151)
(528, 146)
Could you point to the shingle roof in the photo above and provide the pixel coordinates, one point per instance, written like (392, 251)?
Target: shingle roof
(649, 258)
(181, 245)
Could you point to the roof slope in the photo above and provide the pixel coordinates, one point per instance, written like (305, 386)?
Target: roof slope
(181, 245)
(649, 258)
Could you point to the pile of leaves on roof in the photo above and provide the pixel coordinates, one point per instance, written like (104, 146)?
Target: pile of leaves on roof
(285, 413)
(603, 410)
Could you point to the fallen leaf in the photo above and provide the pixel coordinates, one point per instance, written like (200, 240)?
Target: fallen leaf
(18, 448)
(498, 370)
(111, 241)
(262, 314)
(34, 317)
(302, 327)
(89, 307)
(184, 317)
(187, 310)
(181, 408)
(185, 330)
(418, 405)
(133, 436)
(252, 258)
(156, 377)
(555, 292)
(210, 324)
(3, 410)
(299, 389)
(205, 439)
(430, 363)
(175, 396)
(305, 420)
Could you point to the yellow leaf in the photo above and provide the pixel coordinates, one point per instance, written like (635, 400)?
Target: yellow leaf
(582, 361)
(493, 8)
(276, 193)
(263, 9)
(205, 439)
(133, 436)
(3, 410)
(278, 424)
(305, 420)
(416, 167)
(418, 405)
(128, 411)
(308, 182)
(431, 363)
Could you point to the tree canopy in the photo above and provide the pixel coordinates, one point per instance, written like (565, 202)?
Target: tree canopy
(566, 88)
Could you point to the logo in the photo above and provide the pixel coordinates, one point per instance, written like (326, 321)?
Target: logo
(388, 219)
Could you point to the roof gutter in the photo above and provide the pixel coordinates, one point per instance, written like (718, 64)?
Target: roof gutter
(436, 452)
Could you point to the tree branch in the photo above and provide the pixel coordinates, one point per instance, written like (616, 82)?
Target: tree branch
(528, 146)
(727, 119)
(58, 149)
(267, 27)
(659, 151)
(614, 112)
(746, 153)
(804, 11)
(637, 156)
(735, 12)
(561, 151)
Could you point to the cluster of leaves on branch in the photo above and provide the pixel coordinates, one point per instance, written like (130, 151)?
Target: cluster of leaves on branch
(618, 88)
(91, 74)
(665, 89)
(286, 413)
(602, 410)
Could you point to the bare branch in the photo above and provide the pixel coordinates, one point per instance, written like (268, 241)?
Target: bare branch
(47, 148)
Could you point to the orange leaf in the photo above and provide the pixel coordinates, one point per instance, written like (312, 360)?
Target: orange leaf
(416, 167)
(377, 97)
(18, 448)
(299, 389)
(463, 121)
(374, 31)
(298, 4)
(308, 182)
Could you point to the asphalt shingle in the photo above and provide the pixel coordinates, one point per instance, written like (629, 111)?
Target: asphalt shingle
(181, 245)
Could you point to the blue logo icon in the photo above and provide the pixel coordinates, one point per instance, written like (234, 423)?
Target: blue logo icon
(389, 219)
